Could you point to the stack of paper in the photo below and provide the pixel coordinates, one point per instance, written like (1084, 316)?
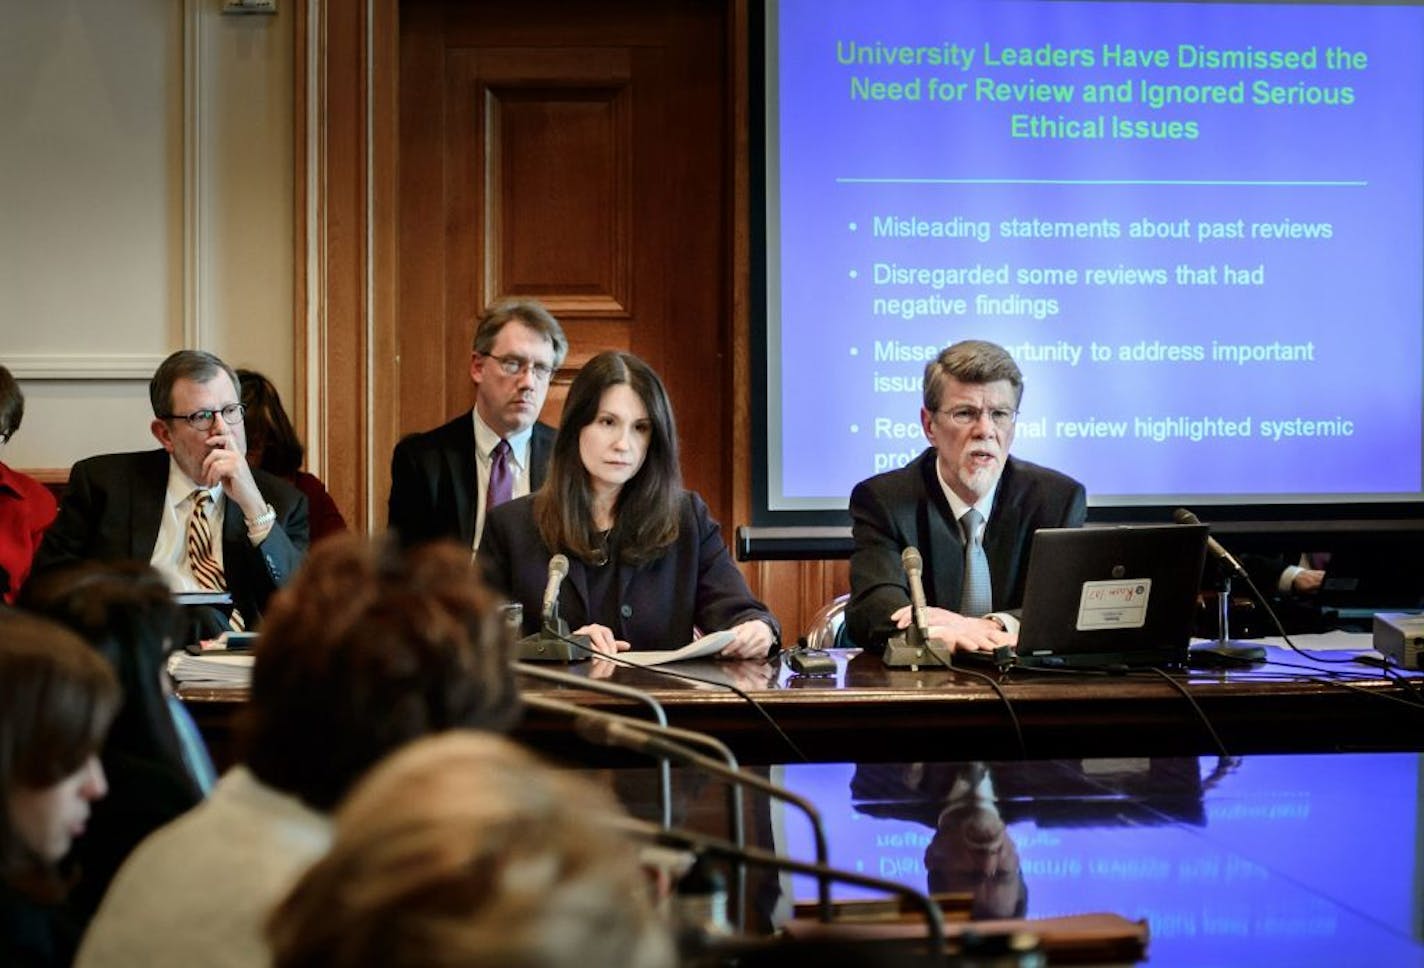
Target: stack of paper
(214, 669)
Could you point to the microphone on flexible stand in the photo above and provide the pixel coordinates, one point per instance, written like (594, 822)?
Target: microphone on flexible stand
(703, 846)
(912, 647)
(607, 689)
(616, 731)
(552, 642)
(581, 715)
(1225, 651)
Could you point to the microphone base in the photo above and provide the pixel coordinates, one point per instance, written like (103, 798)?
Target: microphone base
(1225, 654)
(547, 648)
(901, 653)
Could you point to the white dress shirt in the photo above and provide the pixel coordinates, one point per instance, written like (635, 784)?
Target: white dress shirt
(170, 551)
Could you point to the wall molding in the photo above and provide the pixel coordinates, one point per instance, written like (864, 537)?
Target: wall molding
(84, 366)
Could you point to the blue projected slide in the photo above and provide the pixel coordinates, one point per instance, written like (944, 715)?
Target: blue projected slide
(1199, 227)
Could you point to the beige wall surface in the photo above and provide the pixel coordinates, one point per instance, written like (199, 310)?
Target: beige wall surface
(146, 195)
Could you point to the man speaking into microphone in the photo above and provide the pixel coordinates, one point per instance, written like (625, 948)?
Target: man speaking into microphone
(969, 508)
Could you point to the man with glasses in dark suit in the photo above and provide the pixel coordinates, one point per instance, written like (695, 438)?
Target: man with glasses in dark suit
(444, 480)
(969, 508)
(194, 510)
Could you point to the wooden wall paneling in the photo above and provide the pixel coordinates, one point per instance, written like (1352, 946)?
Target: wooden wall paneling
(427, 381)
(697, 361)
(581, 160)
(340, 71)
(539, 153)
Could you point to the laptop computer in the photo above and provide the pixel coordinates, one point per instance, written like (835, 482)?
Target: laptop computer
(1113, 596)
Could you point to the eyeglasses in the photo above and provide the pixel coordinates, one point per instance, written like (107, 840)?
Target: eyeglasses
(966, 416)
(515, 365)
(204, 419)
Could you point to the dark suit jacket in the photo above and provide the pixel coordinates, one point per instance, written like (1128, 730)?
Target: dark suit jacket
(113, 507)
(693, 584)
(434, 493)
(905, 507)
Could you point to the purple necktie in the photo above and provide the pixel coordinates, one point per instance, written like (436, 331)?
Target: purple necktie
(501, 483)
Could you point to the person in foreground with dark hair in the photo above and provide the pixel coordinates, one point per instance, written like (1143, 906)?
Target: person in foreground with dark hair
(365, 651)
(968, 507)
(57, 698)
(463, 849)
(273, 446)
(194, 509)
(126, 613)
(26, 506)
(647, 564)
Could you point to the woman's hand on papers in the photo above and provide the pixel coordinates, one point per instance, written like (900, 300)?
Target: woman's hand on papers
(753, 641)
(602, 639)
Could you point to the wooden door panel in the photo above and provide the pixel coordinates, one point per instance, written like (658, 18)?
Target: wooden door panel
(580, 160)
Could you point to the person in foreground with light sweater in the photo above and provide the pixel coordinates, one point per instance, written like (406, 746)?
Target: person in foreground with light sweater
(365, 651)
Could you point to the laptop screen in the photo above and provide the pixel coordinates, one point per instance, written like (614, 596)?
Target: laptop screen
(1111, 596)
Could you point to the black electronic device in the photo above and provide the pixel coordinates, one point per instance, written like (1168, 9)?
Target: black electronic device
(1116, 596)
(811, 662)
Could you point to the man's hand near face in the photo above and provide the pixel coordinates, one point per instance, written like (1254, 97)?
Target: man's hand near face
(226, 464)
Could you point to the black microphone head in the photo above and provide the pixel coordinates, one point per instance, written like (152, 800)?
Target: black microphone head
(559, 565)
(1183, 516)
(911, 560)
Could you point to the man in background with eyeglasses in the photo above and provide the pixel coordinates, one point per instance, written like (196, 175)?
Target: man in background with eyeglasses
(444, 480)
(194, 510)
(969, 508)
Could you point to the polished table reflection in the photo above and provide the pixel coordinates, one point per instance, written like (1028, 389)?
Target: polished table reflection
(1272, 860)
(866, 712)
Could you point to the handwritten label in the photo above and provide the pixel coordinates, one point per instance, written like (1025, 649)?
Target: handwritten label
(1114, 604)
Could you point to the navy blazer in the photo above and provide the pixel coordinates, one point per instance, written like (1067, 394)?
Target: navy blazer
(434, 493)
(113, 507)
(694, 584)
(892, 511)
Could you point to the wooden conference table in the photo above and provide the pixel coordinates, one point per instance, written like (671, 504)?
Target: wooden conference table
(867, 713)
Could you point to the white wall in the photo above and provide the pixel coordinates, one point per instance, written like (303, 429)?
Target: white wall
(145, 204)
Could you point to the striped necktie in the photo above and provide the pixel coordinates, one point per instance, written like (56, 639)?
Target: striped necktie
(201, 560)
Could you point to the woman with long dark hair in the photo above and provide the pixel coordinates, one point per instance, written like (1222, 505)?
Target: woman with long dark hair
(273, 446)
(57, 698)
(648, 566)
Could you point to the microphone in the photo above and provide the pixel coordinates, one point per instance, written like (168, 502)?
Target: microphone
(1183, 516)
(913, 646)
(608, 689)
(914, 566)
(1225, 651)
(552, 643)
(558, 571)
(580, 715)
(702, 845)
(606, 730)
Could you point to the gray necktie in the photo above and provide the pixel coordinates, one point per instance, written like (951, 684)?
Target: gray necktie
(977, 597)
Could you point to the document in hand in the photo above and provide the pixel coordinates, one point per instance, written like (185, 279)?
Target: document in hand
(708, 645)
